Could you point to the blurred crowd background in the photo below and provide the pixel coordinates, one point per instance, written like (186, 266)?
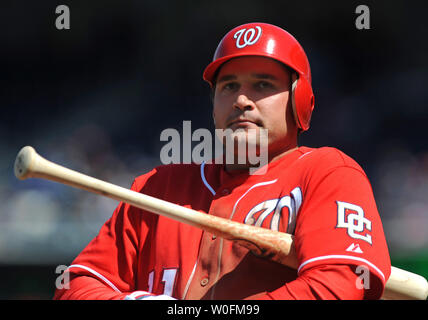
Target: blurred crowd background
(96, 97)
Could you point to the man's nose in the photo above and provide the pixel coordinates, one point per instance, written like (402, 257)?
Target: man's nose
(242, 102)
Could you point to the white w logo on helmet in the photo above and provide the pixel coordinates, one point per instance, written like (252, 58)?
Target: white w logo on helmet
(248, 36)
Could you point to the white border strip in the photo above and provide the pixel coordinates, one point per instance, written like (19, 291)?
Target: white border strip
(95, 273)
(252, 187)
(306, 153)
(190, 279)
(338, 256)
(204, 180)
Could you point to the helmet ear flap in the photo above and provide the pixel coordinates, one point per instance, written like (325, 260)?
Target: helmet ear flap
(293, 98)
(302, 101)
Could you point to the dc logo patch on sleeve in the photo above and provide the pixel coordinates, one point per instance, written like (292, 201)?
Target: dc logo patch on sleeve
(351, 217)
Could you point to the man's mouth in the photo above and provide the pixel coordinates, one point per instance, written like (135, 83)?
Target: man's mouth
(243, 123)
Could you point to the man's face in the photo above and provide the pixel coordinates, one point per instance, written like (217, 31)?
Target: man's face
(254, 93)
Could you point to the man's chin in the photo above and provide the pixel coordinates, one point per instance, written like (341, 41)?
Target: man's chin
(250, 137)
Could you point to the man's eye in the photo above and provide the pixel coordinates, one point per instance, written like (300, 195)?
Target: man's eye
(264, 85)
(230, 86)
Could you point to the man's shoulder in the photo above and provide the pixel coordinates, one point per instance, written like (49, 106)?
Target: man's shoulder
(327, 157)
(165, 170)
(176, 174)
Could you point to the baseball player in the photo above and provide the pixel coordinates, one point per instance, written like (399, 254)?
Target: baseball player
(260, 79)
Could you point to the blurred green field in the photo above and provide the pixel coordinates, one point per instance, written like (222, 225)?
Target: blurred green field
(416, 264)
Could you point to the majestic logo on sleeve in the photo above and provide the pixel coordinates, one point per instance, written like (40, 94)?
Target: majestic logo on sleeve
(351, 217)
(268, 213)
(247, 37)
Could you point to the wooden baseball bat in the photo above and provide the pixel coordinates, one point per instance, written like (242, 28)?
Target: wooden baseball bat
(274, 245)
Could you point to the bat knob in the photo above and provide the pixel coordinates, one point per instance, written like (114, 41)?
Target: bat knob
(23, 162)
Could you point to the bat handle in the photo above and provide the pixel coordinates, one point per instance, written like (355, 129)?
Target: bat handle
(24, 162)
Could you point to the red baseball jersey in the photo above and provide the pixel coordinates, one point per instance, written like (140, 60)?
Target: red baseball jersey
(321, 196)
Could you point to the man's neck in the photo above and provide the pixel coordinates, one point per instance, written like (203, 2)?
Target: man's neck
(271, 158)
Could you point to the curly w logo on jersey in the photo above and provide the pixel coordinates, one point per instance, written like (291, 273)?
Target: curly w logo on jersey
(268, 213)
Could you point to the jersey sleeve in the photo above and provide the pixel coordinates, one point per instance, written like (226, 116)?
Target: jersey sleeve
(325, 282)
(111, 257)
(339, 224)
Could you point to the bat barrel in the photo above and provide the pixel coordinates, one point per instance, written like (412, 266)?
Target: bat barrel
(405, 285)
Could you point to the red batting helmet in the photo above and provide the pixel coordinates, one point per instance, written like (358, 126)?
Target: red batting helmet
(262, 39)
